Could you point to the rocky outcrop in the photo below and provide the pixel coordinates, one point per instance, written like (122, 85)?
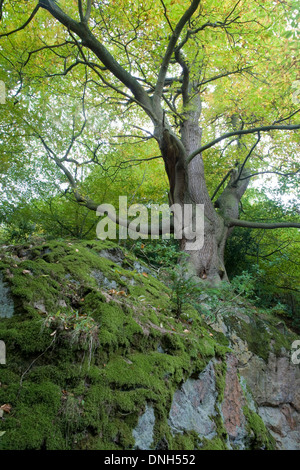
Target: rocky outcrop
(218, 417)
(233, 406)
(193, 405)
(262, 355)
(275, 384)
(257, 403)
(97, 360)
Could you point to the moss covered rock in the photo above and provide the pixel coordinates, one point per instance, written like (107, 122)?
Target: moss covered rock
(97, 360)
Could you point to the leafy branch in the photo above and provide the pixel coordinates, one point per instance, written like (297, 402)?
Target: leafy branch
(36, 9)
(242, 132)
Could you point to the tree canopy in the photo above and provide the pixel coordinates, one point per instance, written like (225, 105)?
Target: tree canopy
(123, 97)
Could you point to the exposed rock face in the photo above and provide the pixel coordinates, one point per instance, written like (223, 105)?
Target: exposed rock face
(143, 433)
(200, 404)
(274, 381)
(259, 396)
(276, 388)
(233, 404)
(193, 406)
(212, 412)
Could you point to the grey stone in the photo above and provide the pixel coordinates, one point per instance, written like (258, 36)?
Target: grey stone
(2, 354)
(115, 255)
(283, 423)
(103, 281)
(73, 281)
(275, 386)
(143, 433)
(275, 382)
(39, 305)
(193, 405)
(139, 268)
(7, 307)
(128, 281)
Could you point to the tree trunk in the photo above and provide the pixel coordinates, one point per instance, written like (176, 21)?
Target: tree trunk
(188, 186)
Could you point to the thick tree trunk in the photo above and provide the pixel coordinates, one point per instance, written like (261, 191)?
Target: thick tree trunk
(188, 186)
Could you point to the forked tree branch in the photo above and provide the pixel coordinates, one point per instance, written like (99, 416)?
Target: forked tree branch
(225, 74)
(91, 42)
(101, 209)
(170, 49)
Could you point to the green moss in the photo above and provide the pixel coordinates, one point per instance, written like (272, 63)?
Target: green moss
(150, 371)
(261, 334)
(222, 435)
(261, 438)
(213, 444)
(35, 408)
(23, 335)
(220, 375)
(186, 441)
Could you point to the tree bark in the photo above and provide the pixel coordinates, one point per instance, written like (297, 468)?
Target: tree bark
(188, 186)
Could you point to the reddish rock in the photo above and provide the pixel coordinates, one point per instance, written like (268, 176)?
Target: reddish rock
(233, 403)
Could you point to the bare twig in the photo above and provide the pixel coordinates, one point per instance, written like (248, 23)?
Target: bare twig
(29, 367)
(166, 15)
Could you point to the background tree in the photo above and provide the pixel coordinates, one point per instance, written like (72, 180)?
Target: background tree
(211, 83)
